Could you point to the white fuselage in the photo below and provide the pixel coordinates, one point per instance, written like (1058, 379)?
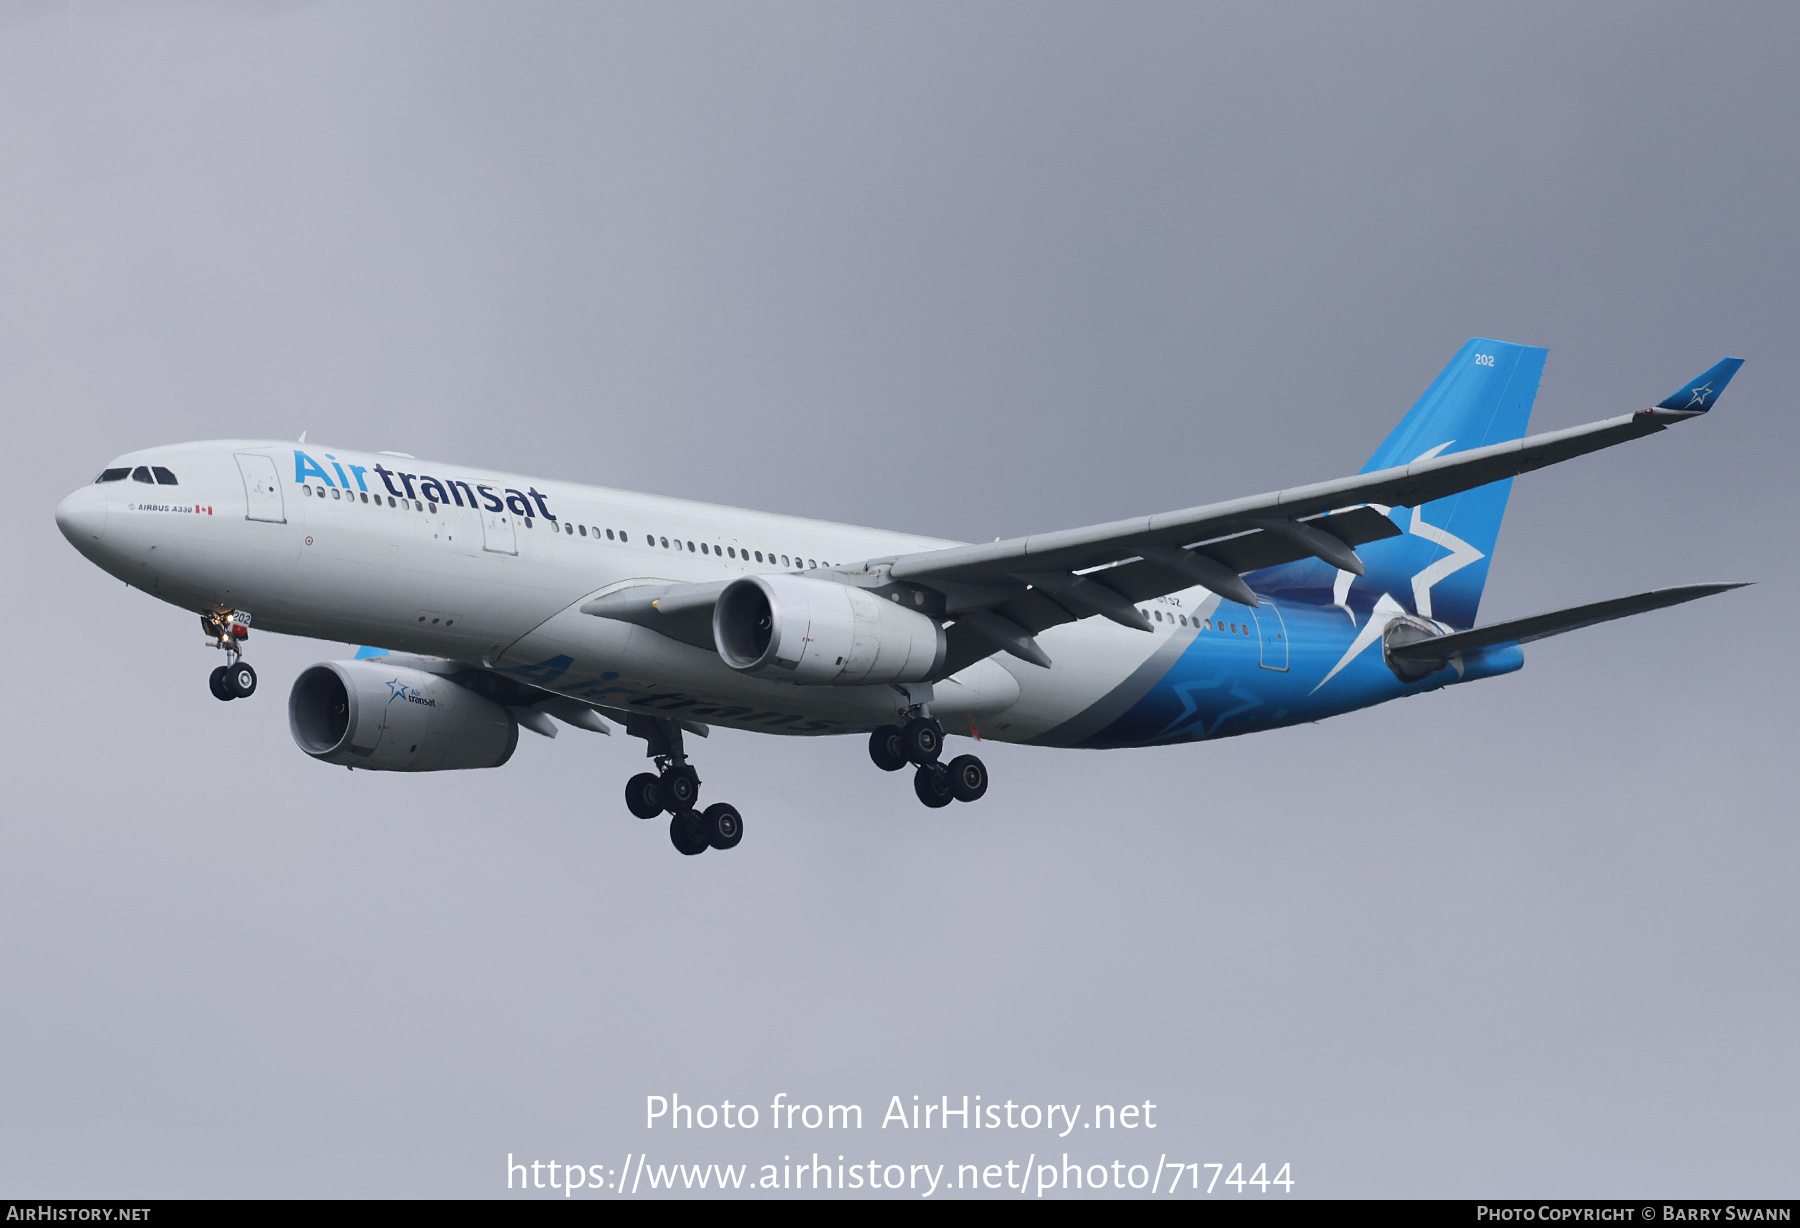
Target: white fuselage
(491, 569)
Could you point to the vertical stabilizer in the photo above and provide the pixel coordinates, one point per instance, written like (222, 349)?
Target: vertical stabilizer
(1438, 566)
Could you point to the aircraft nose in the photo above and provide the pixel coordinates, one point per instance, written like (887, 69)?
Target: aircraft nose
(82, 517)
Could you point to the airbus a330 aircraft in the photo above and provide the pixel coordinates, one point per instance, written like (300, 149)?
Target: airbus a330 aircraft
(502, 601)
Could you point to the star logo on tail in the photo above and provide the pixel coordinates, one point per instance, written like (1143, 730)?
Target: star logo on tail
(1386, 610)
(1461, 555)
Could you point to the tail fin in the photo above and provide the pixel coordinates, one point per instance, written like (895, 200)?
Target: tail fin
(1439, 564)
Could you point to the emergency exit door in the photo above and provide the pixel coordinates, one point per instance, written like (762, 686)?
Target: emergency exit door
(497, 532)
(1271, 629)
(262, 491)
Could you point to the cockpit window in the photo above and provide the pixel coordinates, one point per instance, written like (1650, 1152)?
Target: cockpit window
(113, 475)
(163, 476)
(142, 474)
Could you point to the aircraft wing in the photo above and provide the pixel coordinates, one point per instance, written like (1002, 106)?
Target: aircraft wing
(1402, 486)
(1007, 591)
(1001, 594)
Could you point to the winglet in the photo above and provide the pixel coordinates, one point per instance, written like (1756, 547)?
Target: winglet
(1700, 393)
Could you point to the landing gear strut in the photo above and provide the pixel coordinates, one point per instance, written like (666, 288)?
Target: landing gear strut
(919, 742)
(675, 789)
(235, 679)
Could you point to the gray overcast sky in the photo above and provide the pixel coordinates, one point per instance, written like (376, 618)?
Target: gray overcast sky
(969, 270)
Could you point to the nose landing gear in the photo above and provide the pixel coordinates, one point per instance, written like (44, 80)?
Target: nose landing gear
(675, 789)
(919, 742)
(228, 630)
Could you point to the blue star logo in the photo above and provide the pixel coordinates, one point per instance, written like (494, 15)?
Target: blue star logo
(1702, 395)
(397, 690)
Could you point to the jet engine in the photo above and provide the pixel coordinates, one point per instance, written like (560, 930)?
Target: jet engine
(798, 629)
(387, 718)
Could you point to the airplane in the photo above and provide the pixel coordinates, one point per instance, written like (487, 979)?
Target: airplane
(503, 602)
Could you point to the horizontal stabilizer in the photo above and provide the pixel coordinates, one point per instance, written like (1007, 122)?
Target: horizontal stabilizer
(1540, 626)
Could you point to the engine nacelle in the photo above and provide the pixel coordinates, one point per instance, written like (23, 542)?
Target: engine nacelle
(387, 718)
(797, 629)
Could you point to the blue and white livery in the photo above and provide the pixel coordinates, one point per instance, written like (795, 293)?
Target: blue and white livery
(502, 601)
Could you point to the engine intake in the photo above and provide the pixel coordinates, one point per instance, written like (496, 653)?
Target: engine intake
(387, 718)
(815, 632)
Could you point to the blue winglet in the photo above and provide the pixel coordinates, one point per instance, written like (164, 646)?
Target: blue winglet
(1700, 393)
(365, 652)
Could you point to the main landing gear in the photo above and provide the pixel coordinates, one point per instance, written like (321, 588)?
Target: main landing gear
(235, 679)
(674, 788)
(919, 742)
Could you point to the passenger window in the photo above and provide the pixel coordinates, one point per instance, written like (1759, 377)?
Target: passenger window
(334, 493)
(690, 547)
(784, 561)
(1182, 619)
(810, 563)
(365, 497)
(1156, 614)
(759, 556)
(112, 475)
(569, 528)
(665, 542)
(163, 476)
(419, 507)
(528, 522)
(142, 474)
(703, 549)
(434, 509)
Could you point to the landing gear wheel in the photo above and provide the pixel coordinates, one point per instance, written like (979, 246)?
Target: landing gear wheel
(922, 738)
(932, 784)
(687, 832)
(643, 796)
(724, 825)
(241, 679)
(968, 778)
(887, 748)
(680, 789)
(221, 689)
